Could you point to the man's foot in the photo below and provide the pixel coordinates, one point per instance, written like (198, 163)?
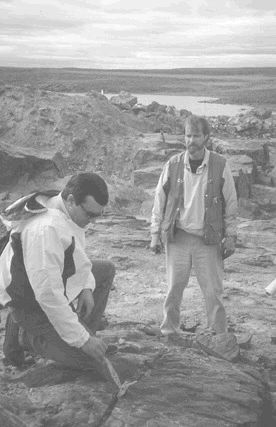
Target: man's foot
(189, 327)
(244, 340)
(153, 331)
(222, 345)
(103, 324)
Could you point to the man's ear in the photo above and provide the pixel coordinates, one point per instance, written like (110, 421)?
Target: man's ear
(206, 137)
(70, 200)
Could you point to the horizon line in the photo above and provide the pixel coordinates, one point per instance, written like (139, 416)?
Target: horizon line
(138, 69)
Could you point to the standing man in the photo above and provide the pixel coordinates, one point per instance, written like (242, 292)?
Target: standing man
(195, 206)
(55, 295)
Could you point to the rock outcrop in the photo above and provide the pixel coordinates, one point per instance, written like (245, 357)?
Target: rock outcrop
(124, 101)
(87, 131)
(25, 163)
(253, 124)
(176, 384)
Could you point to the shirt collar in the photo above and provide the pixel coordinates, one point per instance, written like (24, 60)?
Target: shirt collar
(57, 202)
(204, 163)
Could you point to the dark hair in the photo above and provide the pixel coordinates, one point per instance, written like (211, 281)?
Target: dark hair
(195, 121)
(86, 184)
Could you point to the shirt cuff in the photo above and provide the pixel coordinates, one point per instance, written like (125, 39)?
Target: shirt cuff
(83, 338)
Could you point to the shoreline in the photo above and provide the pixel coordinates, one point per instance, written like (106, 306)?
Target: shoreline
(253, 87)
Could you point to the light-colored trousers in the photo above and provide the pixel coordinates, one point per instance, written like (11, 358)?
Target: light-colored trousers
(185, 251)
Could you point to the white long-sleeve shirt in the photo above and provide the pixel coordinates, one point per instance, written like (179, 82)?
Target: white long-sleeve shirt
(191, 214)
(45, 237)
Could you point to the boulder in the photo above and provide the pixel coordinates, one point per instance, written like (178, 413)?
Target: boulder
(171, 110)
(157, 150)
(265, 196)
(256, 149)
(184, 113)
(262, 113)
(147, 177)
(257, 234)
(145, 158)
(146, 208)
(242, 168)
(139, 108)
(269, 126)
(155, 107)
(247, 207)
(125, 101)
(240, 162)
(254, 122)
(244, 123)
(16, 162)
(162, 142)
(263, 177)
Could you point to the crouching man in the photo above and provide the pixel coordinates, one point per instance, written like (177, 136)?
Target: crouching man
(56, 297)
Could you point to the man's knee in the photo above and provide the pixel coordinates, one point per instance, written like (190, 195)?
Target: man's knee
(103, 271)
(111, 270)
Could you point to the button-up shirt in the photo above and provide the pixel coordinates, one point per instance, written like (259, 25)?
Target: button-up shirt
(191, 214)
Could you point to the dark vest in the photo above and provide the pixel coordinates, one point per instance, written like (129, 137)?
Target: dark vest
(213, 201)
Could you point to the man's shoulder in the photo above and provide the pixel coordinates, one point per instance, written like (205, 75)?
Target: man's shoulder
(50, 219)
(176, 158)
(218, 157)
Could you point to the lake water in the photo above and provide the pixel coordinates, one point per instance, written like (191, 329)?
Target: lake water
(196, 104)
(199, 105)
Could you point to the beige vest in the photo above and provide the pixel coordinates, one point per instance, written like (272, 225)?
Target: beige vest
(213, 203)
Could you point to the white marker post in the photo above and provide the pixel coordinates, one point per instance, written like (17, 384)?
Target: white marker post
(271, 288)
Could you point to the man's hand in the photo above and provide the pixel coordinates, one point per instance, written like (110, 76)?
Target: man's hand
(228, 246)
(85, 304)
(95, 348)
(156, 244)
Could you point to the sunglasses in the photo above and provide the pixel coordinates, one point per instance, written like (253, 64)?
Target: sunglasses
(90, 215)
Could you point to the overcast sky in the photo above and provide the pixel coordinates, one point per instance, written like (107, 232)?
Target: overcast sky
(138, 33)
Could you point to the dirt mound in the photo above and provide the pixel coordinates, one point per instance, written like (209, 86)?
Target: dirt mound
(84, 131)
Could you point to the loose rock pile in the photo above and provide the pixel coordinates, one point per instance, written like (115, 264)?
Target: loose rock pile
(251, 124)
(57, 134)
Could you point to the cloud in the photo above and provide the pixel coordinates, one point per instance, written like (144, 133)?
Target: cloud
(144, 33)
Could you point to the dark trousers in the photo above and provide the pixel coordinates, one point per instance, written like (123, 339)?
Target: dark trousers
(41, 336)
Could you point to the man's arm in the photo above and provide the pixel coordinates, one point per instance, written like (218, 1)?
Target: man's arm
(158, 210)
(230, 214)
(231, 203)
(43, 253)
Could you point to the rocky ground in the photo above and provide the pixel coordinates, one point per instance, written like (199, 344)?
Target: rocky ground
(178, 382)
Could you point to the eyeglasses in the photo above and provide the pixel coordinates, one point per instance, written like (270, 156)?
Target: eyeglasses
(90, 215)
